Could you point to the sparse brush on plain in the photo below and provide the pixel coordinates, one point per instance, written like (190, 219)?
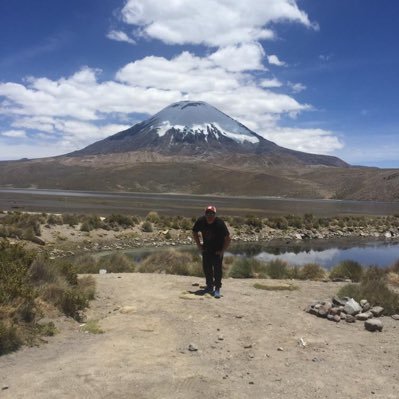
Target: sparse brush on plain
(373, 287)
(92, 327)
(312, 271)
(347, 269)
(119, 220)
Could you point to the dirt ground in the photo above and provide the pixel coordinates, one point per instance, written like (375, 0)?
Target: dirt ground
(249, 346)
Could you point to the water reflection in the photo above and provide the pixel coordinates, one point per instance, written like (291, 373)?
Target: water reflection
(380, 254)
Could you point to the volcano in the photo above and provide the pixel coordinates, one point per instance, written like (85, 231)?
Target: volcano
(195, 128)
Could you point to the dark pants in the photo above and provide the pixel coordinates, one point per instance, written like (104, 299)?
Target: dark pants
(212, 266)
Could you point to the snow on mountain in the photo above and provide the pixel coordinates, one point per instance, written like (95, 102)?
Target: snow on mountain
(200, 118)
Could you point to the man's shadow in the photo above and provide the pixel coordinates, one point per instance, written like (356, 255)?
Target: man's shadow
(201, 292)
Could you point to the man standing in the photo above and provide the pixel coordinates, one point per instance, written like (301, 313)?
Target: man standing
(215, 240)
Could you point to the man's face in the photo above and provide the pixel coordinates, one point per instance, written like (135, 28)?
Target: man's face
(210, 217)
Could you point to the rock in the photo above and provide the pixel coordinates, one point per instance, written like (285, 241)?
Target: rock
(373, 325)
(280, 349)
(377, 311)
(322, 312)
(247, 346)
(220, 338)
(388, 234)
(350, 319)
(337, 318)
(364, 316)
(338, 301)
(366, 307)
(38, 240)
(395, 316)
(363, 302)
(352, 307)
(192, 348)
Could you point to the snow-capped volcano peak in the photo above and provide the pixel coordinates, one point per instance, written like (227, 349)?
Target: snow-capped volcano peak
(199, 118)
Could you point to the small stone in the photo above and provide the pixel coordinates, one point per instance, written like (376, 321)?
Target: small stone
(247, 346)
(4, 387)
(220, 338)
(195, 284)
(251, 383)
(395, 316)
(337, 318)
(239, 316)
(192, 348)
(280, 349)
(251, 355)
(363, 302)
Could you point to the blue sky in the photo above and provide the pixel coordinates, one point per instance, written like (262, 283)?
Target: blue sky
(315, 76)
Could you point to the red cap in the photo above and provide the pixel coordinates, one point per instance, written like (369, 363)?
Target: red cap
(210, 208)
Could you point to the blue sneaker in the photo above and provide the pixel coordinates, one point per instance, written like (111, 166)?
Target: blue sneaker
(216, 294)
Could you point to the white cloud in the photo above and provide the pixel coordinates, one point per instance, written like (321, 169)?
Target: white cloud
(14, 133)
(211, 22)
(297, 87)
(273, 60)
(120, 36)
(270, 83)
(238, 58)
(317, 141)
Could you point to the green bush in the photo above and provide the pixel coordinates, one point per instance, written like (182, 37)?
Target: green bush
(119, 220)
(152, 217)
(311, 271)
(347, 269)
(55, 220)
(70, 219)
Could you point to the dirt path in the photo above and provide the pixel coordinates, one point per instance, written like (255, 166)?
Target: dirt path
(149, 326)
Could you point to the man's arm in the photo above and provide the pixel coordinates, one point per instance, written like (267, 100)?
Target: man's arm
(226, 244)
(197, 240)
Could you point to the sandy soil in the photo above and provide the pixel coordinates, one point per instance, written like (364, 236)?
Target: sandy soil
(149, 324)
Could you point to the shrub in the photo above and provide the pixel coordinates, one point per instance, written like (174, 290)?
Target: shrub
(311, 271)
(119, 220)
(347, 269)
(277, 269)
(86, 264)
(9, 339)
(147, 227)
(374, 288)
(55, 219)
(169, 262)
(70, 219)
(395, 267)
(152, 217)
(241, 268)
(116, 263)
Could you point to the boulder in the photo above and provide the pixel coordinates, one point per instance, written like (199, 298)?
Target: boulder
(395, 316)
(352, 307)
(373, 325)
(338, 301)
(350, 319)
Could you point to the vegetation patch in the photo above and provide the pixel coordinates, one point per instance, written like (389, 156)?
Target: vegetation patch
(92, 327)
(29, 283)
(373, 287)
(276, 287)
(347, 269)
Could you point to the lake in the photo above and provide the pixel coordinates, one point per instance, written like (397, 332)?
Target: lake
(367, 253)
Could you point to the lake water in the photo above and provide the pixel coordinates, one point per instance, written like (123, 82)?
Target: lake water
(325, 253)
(375, 253)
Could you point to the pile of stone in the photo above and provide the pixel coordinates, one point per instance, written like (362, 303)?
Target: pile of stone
(349, 310)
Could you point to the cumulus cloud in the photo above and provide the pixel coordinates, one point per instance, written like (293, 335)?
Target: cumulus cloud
(316, 141)
(273, 60)
(210, 22)
(73, 111)
(14, 133)
(120, 36)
